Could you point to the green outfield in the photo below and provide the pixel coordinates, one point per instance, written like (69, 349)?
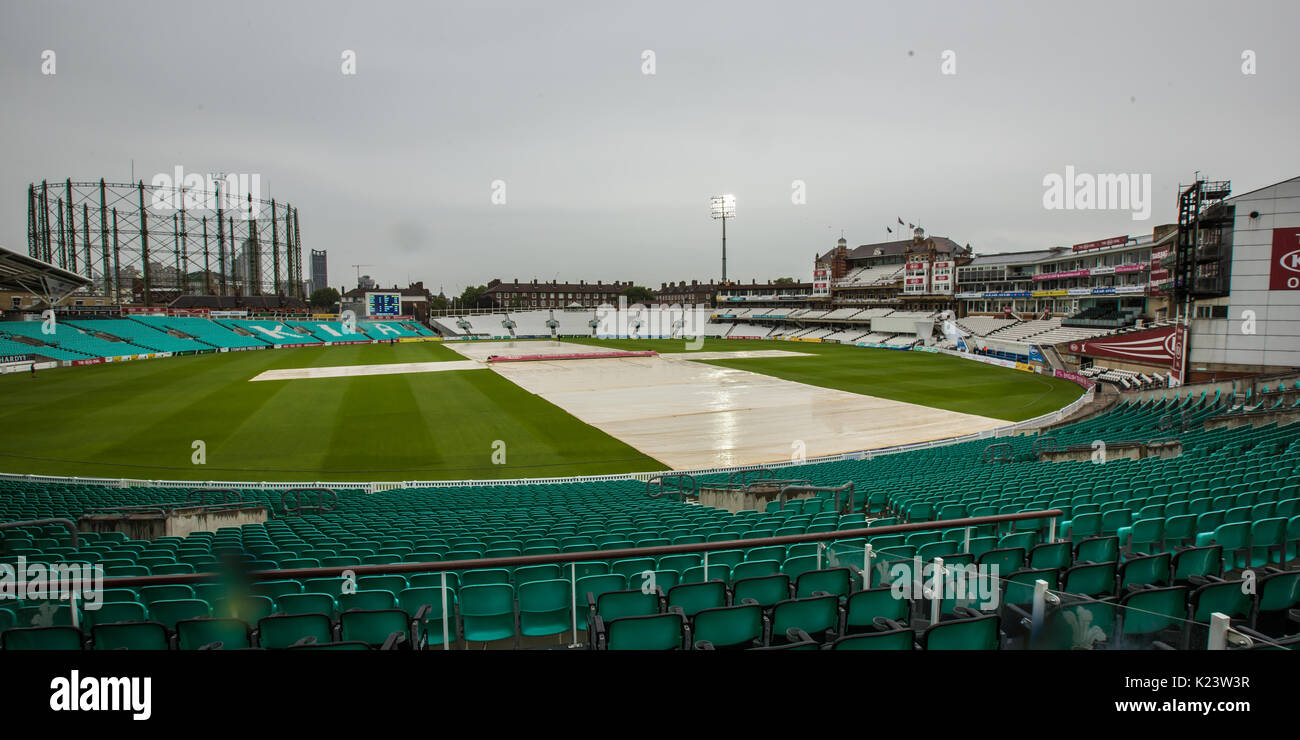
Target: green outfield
(142, 419)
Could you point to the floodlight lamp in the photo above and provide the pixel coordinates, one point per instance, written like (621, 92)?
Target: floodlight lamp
(723, 206)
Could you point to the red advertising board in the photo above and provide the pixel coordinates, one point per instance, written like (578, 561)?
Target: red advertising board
(1114, 241)
(1154, 346)
(1284, 268)
(1180, 353)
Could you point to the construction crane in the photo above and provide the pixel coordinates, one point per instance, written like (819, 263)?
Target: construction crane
(359, 273)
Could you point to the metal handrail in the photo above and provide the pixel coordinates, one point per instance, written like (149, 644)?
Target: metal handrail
(317, 501)
(848, 486)
(676, 478)
(992, 453)
(759, 474)
(577, 557)
(202, 493)
(1044, 443)
(171, 508)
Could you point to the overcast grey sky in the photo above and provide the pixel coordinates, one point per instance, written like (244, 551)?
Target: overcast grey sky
(608, 171)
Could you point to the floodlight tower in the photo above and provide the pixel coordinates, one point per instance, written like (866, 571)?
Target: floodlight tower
(724, 207)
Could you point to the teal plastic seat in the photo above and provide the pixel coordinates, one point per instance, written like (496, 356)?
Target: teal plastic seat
(729, 627)
(225, 634)
(545, 608)
(654, 632)
(285, 630)
(487, 612)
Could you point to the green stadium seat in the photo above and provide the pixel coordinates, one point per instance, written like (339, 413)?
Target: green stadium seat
(654, 632)
(487, 612)
(740, 626)
(816, 615)
(426, 605)
(168, 612)
(970, 631)
(883, 639)
(285, 630)
(693, 598)
(1146, 614)
(863, 608)
(42, 638)
(130, 636)
(224, 634)
(545, 607)
(380, 628)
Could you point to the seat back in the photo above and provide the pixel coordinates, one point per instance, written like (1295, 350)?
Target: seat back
(653, 632)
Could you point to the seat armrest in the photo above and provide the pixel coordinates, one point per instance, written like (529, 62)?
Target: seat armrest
(885, 624)
(794, 634)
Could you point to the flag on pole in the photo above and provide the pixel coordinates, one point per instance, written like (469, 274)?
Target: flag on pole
(900, 222)
(889, 229)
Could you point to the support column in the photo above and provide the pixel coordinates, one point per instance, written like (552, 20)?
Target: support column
(144, 247)
(207, 266)
(72, 227)
(117, 263)
(275, 248)
(103, 236)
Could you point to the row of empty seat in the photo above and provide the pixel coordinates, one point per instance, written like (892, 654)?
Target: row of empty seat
(137, 335)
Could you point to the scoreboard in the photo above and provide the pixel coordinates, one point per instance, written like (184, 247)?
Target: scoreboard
(383, 304)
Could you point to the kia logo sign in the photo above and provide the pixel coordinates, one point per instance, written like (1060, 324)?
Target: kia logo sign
(1290, 261)
(1284, 274)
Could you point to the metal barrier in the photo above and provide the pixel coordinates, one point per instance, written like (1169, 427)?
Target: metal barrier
(837, 490)
(1171, 421)
(225, 495)
(760, 474)
(659, 481)
(317, 500)
(1045, 443)
(994, 453)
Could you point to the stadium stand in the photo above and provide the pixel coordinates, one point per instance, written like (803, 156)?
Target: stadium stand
(863, 276)
(491, 324)
(984, 325)
(11, 346)
(844, 313)
(846, 336)
(208, 332)
(71, 338)
(716, 328)
(749, 330)
(1143, 551)
(273, 332)
(330, 331)
(389, 329)
(449, 326)
(873, 313)
(141, 335)
(1023, 330)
